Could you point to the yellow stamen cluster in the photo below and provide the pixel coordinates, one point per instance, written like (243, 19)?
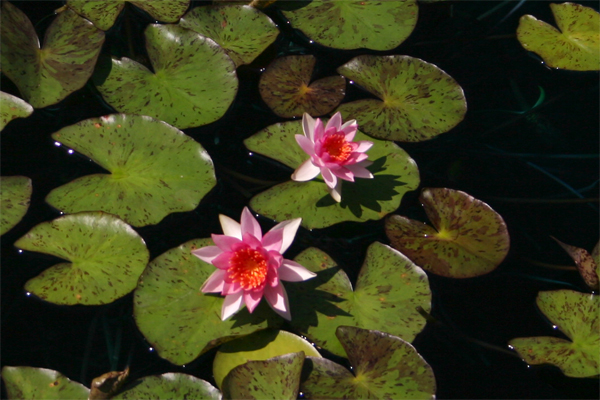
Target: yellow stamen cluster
(248, 268)
(337, 147)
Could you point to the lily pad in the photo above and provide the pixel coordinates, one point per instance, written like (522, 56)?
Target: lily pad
(285, 87)
(106, 258)
(376, 25)
(170, 386)
(12, 107)
(389, 289)
(155, 169)
(468, 237)
(41, 384)
(577, 316)
(194, 80)
(395, 173)
(575, 47)
(63, 65)
(418, 101)
(178, 319)
(243, 31)
(15, 193)
(587, 264)
(107, 385)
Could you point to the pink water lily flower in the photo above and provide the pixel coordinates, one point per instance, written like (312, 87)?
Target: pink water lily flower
(250, 265)
(332, 153)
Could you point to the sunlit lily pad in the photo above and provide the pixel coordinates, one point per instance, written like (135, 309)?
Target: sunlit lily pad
(395, 173)
(285, 87)
(107, 385)
(388, 292)
(41, 384)
(243, 31)
(418, 101)
(12, 107)
(193, 83)
(587, 264)
(178, 319)
(169, 386)
(15, 193)
(106, 257)
(577, 316)
(468, 237)
(155, 169)
(576, 46)
(47, 75)
(377, 25)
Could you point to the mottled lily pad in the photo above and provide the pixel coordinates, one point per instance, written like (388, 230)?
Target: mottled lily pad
(15, 193)
(587, 264)
(577, 316)
(418, 100)
(47, 75)
(575, 47)
(169, 386)
(41, 384)
(243, 31)
(193, 83)
(285, 87)
(395, 173)
(178, 319)
(155, 169)
(106, 258)
(468, 237)
(376, 25)
(12, 107)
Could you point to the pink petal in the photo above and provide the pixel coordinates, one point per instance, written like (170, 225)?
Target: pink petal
(225, 242)
(250, 224)
(252, 298)
(222, 261)
(293, 272)
(308, 125)
(231, 305)
(273, 239)
(277, 298)
(230, 227)
(215, 282)
(306, 171)
(356, 158)
(231, 288)
(360, 171)
(208, 253)
(349, 129)
(343, 173)
(289, 232)
(306, 144)
(328, 177)
(334, 122)
(363, 145)
(318, 130)
(336, 192)
(275, 260)
(251, 241)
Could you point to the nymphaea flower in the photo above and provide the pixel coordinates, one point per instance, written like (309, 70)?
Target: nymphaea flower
(332, 153)
(250, 265)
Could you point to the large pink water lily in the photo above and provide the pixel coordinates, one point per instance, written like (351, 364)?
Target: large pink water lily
(332, 153)
(250, 265)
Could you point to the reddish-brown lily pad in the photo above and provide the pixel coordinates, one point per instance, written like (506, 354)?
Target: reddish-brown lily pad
(587, 264)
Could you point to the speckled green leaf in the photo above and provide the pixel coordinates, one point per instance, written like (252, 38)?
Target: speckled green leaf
(12, 107)
(586, 263)
(575, 47)
(377, 25)
(417, 99)
(106, 257)
(41, 384)
(577, 316)
(468, 237)
(285, 87)
(47, 75)
(388, 291)
(365, 199)
(15, 193)
(169, 386)
(243, 31)
(276, 378)
(180, 321)
(193, 83)
(155, 169)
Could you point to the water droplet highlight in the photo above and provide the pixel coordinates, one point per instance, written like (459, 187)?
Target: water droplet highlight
(57, 144)
(70, 151)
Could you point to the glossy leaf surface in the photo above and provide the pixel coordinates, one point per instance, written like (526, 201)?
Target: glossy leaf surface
(41, 384)
(169, 386)
(12, 107)
(15, 194)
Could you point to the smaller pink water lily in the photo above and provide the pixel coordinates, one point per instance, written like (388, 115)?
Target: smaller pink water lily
(332, 153)
(250, 265)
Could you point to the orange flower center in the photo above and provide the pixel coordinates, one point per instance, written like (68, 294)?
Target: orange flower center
(248, 268)
(337, 147)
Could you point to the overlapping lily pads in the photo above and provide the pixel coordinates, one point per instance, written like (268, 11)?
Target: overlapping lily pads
(12, 107)
(155, 169)
(15, 194)
(468, 237)
(41, 383)
(169, 386)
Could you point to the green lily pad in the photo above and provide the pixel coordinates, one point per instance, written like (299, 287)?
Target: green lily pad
(260, 345)
(285, 87)
(388, 292)
(194, 80)
(395, 173)
(587, 264)
(243, 31)
(577, 316)
(468, 237)
(385, 367)
(63, 65)
(106, 258)
(170, 386)
(575, 47)
(418, 100)
(15, 193)
(41, 384)
(12, 107)
(376, 25)
(155, 169)
(178, 319)
(276, 378)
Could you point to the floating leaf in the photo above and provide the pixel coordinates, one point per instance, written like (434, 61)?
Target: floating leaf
(193, 83)
(41, 384)
(575, 47)
(12, 107)
(155, 169)
(577, 316)
(586, 263)
(169, 386)
(15, 193)
(107, 385)
(469, 238)
(47, 75)
(418, 100)
(106, 258)
(285, 87)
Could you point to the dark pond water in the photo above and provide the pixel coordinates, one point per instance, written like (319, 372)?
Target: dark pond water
(525, 166)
